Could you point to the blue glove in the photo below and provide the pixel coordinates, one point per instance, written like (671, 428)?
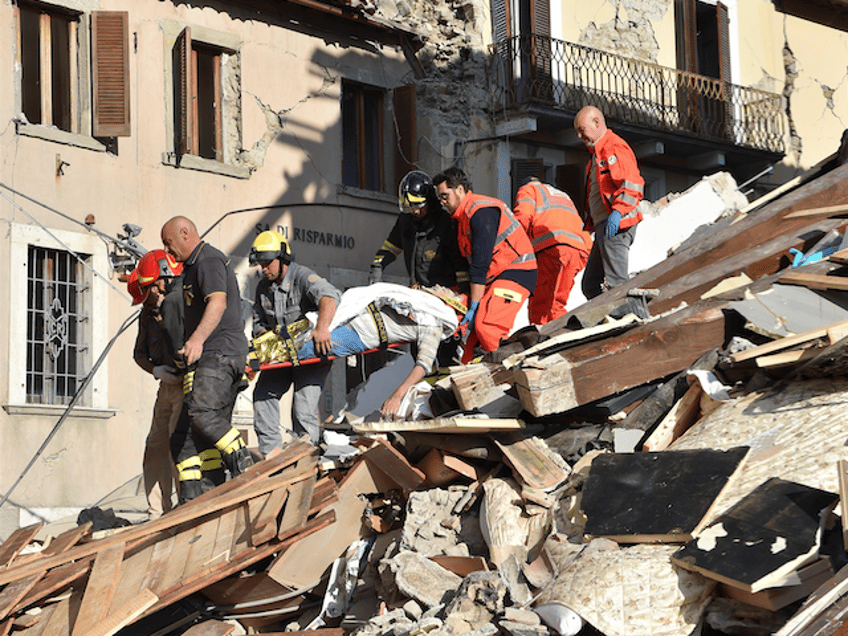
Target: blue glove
(612, 223)
(469, 315)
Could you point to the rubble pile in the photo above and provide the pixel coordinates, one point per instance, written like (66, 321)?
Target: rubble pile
(667, 459)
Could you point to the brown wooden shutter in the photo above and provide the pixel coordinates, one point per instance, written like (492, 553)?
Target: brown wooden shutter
(406, 133)
(110, 73)
(724, 68)
(541, 18)
(500, 20)
(182, 91)
(686, 35)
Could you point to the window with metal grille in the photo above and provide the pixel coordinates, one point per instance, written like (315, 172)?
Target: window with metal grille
(56, 316)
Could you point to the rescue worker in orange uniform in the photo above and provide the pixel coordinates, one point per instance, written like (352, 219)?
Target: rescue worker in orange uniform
(562, 246)
(614, 188)
(502, 266)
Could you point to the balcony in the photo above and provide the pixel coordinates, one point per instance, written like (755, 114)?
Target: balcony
(538, 71)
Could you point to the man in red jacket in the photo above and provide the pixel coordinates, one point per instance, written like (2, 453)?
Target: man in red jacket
(561, 245)
(614, 188)
(502, 266)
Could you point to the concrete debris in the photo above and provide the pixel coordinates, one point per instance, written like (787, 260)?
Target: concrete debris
(419, 578)
(502, 545)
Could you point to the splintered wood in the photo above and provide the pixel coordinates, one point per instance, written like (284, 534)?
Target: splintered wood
(118, 579)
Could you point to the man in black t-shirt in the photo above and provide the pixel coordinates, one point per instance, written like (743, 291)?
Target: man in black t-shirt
(215, 350)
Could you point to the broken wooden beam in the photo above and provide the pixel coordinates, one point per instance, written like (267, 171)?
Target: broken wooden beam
(595, 370)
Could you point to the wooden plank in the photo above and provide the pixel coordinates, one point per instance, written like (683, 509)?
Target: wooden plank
(173, 571)
(56, 579)
(786, 358)
(840, 257)
(210, 628)
(297, 506)
(789, 341)
(249, 484)
(124, 615)
(100, 588)
(762, 539)
(244, 560)
(304, 563)
(678, 420)
(386, 458)
(158, 565)
(648, 352)
(58, 623)
(133, 571)
(13, 593)
(16, 542)
(656, 497)
(814, 281)
(828, 210)
(201, 556)
(442, 425)
(222, 551)
(775, 598)
(530, 461)
(66, 540)
(826, 595)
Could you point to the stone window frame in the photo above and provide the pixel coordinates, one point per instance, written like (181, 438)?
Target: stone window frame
(228, 46)
(96, 396)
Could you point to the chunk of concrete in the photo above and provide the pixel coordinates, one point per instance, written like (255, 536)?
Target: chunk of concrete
(421, 579)
(479, 599)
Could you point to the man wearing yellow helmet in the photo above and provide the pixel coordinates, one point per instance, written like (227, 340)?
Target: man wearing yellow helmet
(284, 295)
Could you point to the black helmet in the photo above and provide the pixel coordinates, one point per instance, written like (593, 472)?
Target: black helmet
(415, 189)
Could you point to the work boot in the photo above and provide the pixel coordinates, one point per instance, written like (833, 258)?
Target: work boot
(189, 489)
(212, 478)
(238, 461)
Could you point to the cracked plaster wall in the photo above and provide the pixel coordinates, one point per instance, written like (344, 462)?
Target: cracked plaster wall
(452, 97)
(804, 62)
(632, 30)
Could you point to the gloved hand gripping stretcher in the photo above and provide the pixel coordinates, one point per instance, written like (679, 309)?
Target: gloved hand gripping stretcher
(368, 319)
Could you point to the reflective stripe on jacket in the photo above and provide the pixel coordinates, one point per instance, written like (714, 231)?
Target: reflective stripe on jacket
(619, 181)
(549, 217)
(512, 247)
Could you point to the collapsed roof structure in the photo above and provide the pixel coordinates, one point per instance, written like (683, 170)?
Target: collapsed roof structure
(667, 457)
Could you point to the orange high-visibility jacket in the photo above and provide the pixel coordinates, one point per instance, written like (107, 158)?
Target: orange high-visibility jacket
(512, 247)
(549, 217)
(619, 181)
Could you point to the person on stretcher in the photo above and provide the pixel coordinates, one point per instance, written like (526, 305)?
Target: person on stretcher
(383, 314)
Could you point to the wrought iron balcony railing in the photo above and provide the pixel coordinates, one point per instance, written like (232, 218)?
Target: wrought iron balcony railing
(532, 69)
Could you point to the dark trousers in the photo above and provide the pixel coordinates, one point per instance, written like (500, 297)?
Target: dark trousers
(208, 405)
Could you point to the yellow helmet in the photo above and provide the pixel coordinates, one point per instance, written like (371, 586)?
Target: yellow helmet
(268, 246)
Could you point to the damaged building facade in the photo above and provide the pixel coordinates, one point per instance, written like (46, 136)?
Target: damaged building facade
(695, 86)
(302, 116)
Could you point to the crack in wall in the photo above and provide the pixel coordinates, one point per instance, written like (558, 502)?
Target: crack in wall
(275, 123)
(790, 66)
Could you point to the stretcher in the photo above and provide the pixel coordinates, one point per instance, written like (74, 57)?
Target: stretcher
(289, 363)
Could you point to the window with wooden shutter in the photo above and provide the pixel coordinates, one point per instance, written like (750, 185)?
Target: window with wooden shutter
(198, 100)
(48, 53)
(110, 73)
(406, 136)
(362, 136)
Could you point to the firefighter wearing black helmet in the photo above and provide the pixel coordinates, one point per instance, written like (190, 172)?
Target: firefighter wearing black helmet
(426, 236)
